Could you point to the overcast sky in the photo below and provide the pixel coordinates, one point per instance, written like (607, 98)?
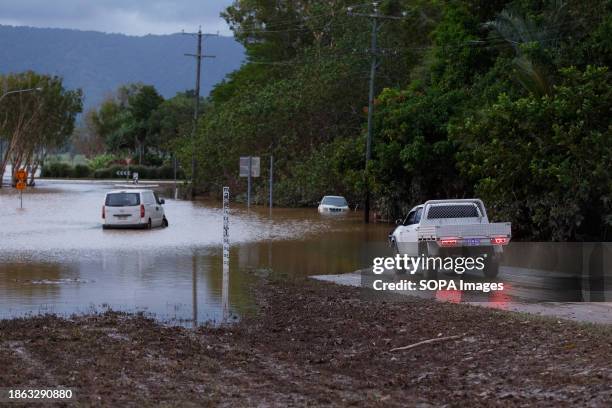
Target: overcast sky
(133, 17)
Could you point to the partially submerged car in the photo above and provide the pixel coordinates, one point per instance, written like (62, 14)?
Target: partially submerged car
(333, 204)
(133, 209)
(452, 228)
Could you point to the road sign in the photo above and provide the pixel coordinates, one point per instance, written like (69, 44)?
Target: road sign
(21, 174)
(255, 166)
(123, 172)
(21, 185)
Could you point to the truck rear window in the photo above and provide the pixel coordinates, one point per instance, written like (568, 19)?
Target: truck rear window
(122, 199)
(452, 211)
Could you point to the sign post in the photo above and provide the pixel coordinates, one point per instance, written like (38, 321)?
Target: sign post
(226, 254)
(249, 167)
(249, 182)
(22, 176)
(175, 187)
(271, 181)
(127, 174)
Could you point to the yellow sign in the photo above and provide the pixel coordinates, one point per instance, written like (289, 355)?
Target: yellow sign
(21, 185)
(21, 174)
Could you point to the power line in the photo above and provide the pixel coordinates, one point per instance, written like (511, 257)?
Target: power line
(290, 21)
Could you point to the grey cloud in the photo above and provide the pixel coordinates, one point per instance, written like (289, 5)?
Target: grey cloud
(135, 17)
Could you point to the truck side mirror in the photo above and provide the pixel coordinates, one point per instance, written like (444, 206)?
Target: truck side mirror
(162, 201)
(398, 221)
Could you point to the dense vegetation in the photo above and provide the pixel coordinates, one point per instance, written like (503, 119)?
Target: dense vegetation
(506, 100)
(138, 124)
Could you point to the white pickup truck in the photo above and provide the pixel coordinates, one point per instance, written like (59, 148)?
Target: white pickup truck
(452, 228)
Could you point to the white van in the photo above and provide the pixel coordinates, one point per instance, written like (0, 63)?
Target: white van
(133, 209)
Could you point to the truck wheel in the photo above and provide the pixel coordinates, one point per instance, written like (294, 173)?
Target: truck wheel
(491, 269)
(149, 224)
(165, 222)
(396, 250)
(430, 274)
(427, 273)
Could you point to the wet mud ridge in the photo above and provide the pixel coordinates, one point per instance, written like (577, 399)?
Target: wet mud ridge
(315, 343)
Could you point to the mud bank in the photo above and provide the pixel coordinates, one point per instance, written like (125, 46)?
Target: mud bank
(315, 343)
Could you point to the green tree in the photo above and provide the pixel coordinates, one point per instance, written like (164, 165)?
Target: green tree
(141, 106)
(544, 162)
(33, 123)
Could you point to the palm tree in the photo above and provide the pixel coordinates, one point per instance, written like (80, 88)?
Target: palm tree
(525, 34)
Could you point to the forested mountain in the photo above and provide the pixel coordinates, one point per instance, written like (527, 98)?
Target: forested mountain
(99, 63)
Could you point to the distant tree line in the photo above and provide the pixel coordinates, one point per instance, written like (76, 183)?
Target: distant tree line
(135, 123)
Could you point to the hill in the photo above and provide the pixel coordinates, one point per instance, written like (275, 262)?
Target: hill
(99, 63)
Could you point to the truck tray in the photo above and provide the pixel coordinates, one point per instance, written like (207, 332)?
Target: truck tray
(434, 232)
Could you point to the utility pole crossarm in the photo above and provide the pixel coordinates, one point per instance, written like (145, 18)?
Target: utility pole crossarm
(201, 56)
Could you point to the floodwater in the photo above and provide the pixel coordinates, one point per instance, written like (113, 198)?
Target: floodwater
(55, 257)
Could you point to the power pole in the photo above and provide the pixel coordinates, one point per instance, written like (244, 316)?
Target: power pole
(366, 206)
(196, 111)
(374, 17)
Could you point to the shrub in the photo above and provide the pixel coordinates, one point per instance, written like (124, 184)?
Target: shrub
(101, 161)
(81, 171)
(57, 169)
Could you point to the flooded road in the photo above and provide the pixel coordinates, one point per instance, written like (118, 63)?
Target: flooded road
(55, 257)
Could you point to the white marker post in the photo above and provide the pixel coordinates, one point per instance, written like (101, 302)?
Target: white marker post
(226, 254)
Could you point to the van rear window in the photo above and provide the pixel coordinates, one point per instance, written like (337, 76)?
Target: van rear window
(122, 199)
(452, 211)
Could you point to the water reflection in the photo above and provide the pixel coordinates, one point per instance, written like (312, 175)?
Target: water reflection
(55, 257)
(532, 272)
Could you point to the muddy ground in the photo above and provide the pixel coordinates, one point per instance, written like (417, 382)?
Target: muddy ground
(316, 344)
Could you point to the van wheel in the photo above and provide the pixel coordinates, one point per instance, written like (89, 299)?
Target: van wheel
(165, 222)
(149, 224)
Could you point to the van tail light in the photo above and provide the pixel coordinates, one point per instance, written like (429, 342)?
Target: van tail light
(103, 212)
(142, 214)
(448, 242)
(500, 240)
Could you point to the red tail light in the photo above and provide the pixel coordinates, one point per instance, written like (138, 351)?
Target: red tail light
(142, 214)
(448, 242)
(103, 212)
(500, 240)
